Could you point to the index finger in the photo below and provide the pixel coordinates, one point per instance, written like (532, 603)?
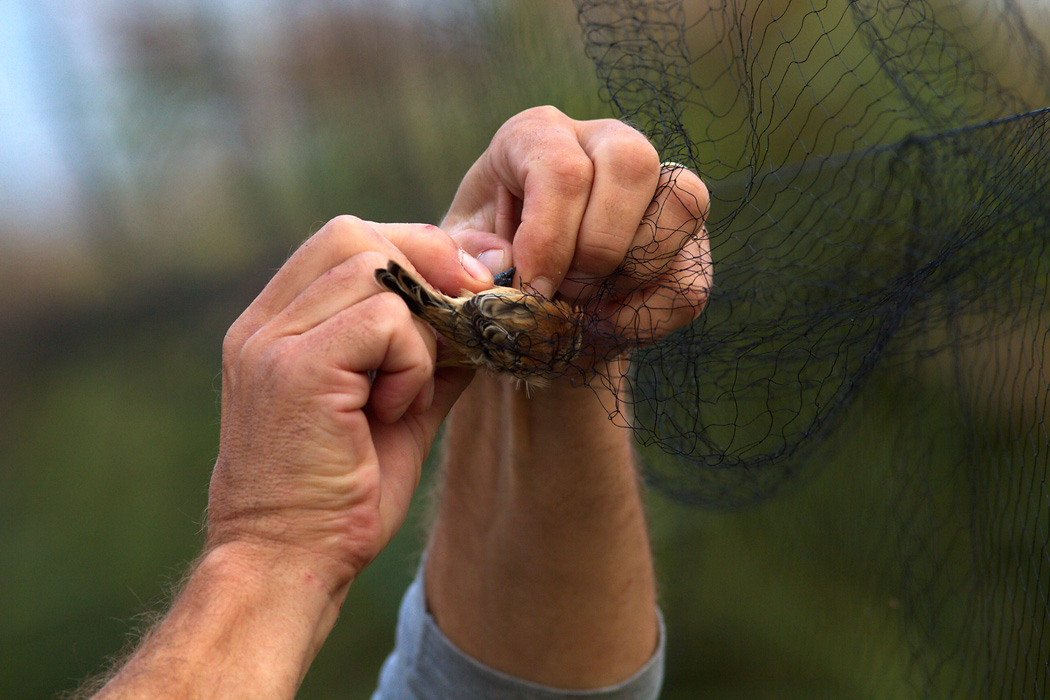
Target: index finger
(421, 247)
(546, 168)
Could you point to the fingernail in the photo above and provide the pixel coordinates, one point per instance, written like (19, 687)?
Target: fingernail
(493, 260)
(474, 267)
(543, 286)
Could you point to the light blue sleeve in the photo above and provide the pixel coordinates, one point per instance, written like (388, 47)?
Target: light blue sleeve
(426, 666)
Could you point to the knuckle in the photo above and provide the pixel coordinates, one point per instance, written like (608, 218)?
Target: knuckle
(639, 159)
(386, 311)
(255, 351)
(366, 263)
(387, 316)
(340, 235)
(626, 136)
(360, 265)
(531, 123)
(544, 113)
(572, 171)
(635, 160)
(425, 363)
(272, 361)
(235, 338)
(553, 254)
(602, 253)
(232, 341)
(341, 225)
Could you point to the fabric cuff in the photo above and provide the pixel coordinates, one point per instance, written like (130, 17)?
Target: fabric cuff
(425, 665)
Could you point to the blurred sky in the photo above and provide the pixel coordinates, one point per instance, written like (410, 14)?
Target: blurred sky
(31, 169)
(60, 77)
(47, 46)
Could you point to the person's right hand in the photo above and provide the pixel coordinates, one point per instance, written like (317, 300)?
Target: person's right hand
(330, 401)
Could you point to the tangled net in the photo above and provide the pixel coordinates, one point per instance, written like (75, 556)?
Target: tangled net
(880, 215)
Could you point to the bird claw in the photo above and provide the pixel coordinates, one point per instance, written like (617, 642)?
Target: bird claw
(503, 279)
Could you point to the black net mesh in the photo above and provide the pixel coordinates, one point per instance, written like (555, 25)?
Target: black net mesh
(878, 225)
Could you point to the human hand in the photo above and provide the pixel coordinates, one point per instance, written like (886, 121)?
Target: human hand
(331, 400)
(585, 209)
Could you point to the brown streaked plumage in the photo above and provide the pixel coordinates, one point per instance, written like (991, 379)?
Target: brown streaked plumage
(502, 329)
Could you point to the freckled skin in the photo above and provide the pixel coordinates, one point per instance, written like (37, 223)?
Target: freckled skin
(501, 330)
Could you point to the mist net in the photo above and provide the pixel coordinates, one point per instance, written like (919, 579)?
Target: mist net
(880, 207)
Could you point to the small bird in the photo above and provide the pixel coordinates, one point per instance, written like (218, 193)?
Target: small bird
(503, 329)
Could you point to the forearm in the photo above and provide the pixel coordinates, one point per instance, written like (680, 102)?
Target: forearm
(540, 563)
(244, 626)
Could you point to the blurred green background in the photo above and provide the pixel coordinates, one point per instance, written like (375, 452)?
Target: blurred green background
(197, 143)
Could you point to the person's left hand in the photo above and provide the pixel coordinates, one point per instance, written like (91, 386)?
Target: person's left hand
(584, 208)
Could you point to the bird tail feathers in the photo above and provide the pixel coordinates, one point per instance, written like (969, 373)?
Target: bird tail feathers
(415, 294)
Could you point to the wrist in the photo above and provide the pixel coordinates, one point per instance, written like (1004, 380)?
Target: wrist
(600, 391)
(281, 594)
(592, 414)
(280, 573)
(286, 541)
(560, 438)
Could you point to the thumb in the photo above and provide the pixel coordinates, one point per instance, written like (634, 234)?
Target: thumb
(495, 253)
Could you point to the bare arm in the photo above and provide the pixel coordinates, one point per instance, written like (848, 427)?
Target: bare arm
(330, 404)
(247, 624)
(539, 565)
